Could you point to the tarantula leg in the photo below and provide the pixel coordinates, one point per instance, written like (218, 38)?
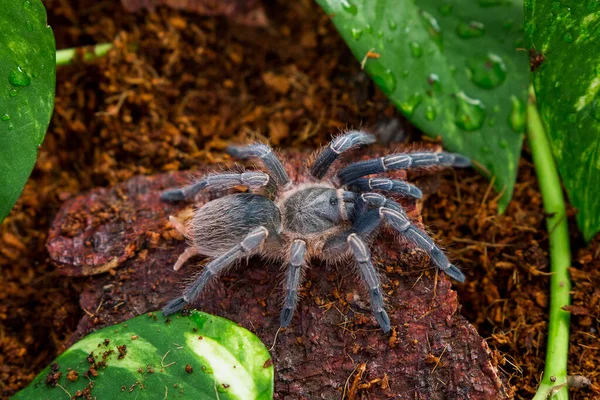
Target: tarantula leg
(385, 185)
(251, 242)
(394, 215)
(369, 275)
(294, 275)
(401, 161)
(252, 180)
(340, 144)
(267, 156)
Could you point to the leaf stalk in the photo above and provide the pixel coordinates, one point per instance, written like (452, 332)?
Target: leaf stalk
(554, 381)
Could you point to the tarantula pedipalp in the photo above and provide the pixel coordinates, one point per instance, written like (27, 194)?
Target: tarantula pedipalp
(294, 223)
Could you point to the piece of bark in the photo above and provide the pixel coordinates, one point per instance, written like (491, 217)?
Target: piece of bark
(245, 12)
(333, 347)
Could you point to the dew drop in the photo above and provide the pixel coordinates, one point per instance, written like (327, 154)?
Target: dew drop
(503, 143)
(27, 4)
(487, 72)
(516, 118)
(486, 149)
(470, 113)
(492, 121)
(434, 81)
(13, 92)
(445, 9)
(380, 34)
(392, 25)
(430, 113)
(433, 27)
(349, 7)
(572, 117)
(409, 106)
(567, 37)
(405, 74)
(386, 80)
(5, 117)
(356, 33)
(369, 29)
(19, 77)
(10, 126)
(471, 30)
(29, 26)
(416, 49)
(207, 369)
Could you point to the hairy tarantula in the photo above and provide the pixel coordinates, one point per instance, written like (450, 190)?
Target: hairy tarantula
(293, 223)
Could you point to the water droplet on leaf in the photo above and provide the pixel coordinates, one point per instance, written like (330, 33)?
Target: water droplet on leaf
(410, 105)
(433, 28)
(349, 7)
(27, 4)
(385, 80)
(13, 92)
(19, 77)
(430, 113)
(487, 72)
(486, 149)
(5, 117)
(416, 49)
(470, 113)
(392, 25)
(503, 143)
(29, 26)
(567, 37)
(471, 30)
(356, 33)
(516, 119)
(434, 81)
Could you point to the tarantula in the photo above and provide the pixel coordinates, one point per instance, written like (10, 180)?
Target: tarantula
(325, 218)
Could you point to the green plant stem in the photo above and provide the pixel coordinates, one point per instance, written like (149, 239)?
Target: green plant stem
(66, 56)
(554, 381)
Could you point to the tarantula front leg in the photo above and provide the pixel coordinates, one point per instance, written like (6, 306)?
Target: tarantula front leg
(386, 185)
(245, 248)
(394, 215)
(340, 144)
(400, 161)
(251, 179)
(267, 156)
(353, 240)
(294, 275)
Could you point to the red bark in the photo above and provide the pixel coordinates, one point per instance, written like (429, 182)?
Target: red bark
(333, 346)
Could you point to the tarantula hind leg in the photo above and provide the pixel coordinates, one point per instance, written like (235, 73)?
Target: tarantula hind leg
(246, 247)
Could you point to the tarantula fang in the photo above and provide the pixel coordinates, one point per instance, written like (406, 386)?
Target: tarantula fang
(325, 218)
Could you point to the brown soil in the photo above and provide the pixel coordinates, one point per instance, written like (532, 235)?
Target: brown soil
(178, 88)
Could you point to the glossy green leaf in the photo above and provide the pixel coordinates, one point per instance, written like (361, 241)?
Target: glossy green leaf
(567, 86)
(27, 81)
(451, 67)
(198, 356)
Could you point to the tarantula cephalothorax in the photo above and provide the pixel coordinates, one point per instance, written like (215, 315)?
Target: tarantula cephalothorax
(293, 223)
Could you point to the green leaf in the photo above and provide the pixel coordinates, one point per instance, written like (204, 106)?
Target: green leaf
(27, 82)
(199, 356)
(451, 67)
(567, 86)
